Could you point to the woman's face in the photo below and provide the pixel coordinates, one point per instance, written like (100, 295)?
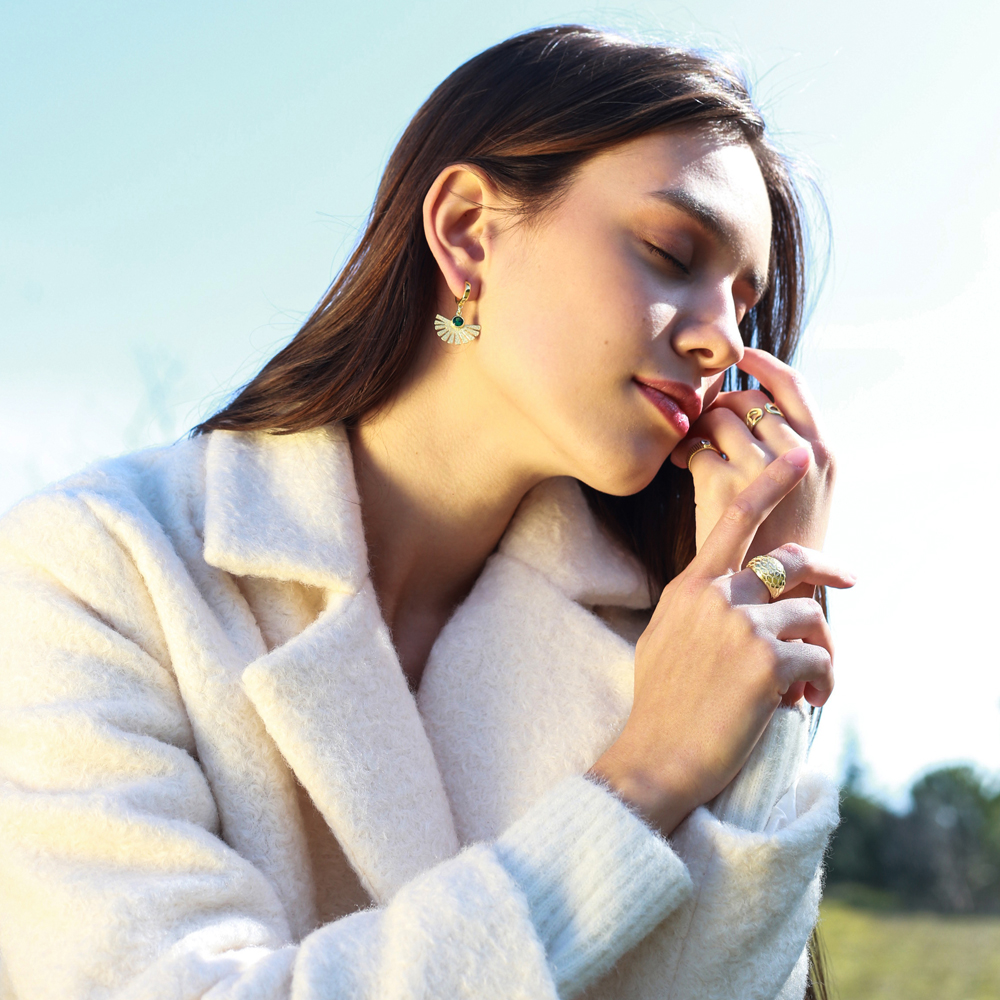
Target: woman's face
(607, 319)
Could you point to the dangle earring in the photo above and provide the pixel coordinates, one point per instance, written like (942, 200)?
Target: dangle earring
(456, 330)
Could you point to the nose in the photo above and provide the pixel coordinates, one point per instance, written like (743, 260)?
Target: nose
(709, 333)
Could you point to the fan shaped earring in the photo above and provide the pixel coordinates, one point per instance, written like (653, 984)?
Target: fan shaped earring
(456, 330)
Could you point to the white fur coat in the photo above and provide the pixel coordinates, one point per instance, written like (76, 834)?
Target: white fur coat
(215, 783)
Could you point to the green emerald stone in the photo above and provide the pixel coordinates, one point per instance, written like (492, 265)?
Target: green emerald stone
(458, 321)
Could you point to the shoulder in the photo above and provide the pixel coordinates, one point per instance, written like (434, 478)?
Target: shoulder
(247, 503)
(148, 487)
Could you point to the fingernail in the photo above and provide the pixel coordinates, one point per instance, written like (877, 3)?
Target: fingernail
(799, 457)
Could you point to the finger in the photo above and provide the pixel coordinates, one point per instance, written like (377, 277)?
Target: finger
(794, 694)
(741, 400)
(688, 454)
(730, 433)
(786, 385)
(804, 663)
(776, 435)
(801, 565)
(726, 546)
(772, 430)
(801, 618)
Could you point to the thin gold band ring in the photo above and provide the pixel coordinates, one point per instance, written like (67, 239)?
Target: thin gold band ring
(705, 445)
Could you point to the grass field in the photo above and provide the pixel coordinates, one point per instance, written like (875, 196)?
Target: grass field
(876, 955)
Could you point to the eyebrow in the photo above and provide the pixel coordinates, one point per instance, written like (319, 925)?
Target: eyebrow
(712, 221)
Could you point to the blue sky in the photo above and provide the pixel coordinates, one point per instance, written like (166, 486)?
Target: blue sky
(179, 182)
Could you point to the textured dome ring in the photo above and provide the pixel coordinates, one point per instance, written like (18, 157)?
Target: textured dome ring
(770, 572)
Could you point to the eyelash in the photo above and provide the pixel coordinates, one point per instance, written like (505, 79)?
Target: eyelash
(670, 257)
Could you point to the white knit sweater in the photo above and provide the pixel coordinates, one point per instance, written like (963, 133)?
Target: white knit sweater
(215, 783)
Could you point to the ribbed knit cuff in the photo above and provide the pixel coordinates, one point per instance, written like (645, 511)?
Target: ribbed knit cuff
(770, 770)
(596, 877)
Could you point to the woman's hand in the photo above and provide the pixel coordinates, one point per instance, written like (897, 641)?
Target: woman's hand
(801, 516)
(717, 659)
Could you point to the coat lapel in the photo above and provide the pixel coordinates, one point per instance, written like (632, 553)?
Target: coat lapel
(526, 685)
(334, 698)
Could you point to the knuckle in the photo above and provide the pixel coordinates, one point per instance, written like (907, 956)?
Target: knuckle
(807, 611)
(830, 468)
(794, 552)
(692, 588)
(823, 674)
(642, 642)
(719, 601)
(795, 380)
(740, 512)
(777, 474)
(779, 669)
(824, 457)
(760, 643)
(710, 419)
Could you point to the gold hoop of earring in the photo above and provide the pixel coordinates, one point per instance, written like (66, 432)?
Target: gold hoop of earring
(456, 330)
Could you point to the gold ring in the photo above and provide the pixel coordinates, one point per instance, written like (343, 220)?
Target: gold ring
(771, 408)
(705, 445)
(770, 572)
(754, 417)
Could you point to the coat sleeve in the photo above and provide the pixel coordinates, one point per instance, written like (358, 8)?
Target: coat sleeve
(116, 880)
(755, 855)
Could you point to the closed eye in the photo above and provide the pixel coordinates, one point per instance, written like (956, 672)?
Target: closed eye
(669, 257)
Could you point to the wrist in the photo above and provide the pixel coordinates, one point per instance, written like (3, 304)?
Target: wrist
(657, 795)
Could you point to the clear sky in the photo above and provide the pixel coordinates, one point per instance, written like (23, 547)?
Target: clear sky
(179, 183)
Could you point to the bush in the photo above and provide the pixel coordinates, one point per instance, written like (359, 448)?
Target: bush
(943, 854)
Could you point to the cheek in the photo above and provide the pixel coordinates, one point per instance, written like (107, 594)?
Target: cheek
(565, 328)
(568, 312)
(658, 317)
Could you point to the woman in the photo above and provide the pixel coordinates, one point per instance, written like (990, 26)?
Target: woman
(395, 678)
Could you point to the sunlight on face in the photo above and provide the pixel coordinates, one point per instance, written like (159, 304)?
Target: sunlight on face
(610, 315)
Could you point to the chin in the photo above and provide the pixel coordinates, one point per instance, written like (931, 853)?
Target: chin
(618, 476)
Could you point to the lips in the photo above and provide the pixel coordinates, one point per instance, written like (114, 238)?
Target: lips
(677, 402)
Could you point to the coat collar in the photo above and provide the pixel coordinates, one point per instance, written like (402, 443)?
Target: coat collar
(334, 699)
(286, 507)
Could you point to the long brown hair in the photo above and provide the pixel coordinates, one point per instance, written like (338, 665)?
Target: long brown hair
(527, 112)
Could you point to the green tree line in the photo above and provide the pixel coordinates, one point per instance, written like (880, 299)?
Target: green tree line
(942, 854)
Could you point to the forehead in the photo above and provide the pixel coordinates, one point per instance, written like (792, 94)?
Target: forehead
(714, 179)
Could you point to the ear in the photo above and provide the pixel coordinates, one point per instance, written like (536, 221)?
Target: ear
(456, 229)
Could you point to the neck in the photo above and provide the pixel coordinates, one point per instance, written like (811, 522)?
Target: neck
(439, 478)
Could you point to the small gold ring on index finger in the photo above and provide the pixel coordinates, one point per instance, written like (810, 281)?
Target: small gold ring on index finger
(770, 572)
(754, 417)
(705, 445)
(771, 408)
